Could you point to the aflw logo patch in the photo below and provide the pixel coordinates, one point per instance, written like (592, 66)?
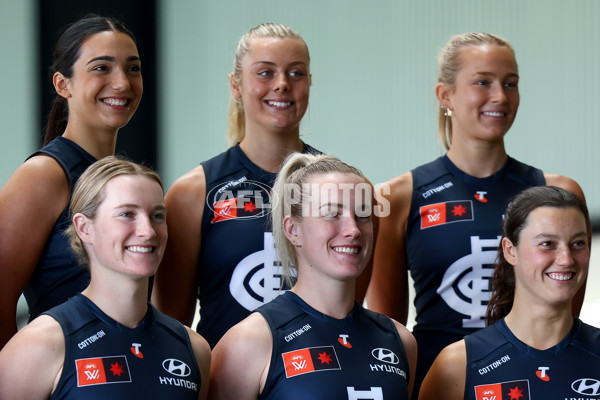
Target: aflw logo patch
(96, 371)
(444, 213)
(312, 359)
(514, 390)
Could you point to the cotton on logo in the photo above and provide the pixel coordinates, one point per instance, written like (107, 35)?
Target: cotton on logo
(299, 365)
(385, 355)
(92, 375)
(586, 386)
(176, 367)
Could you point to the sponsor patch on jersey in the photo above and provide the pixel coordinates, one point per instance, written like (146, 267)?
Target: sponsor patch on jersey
(311, 359)
(445, 213)
(101, 370)
(513, 390)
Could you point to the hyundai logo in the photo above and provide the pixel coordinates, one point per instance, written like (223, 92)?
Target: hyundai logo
(385, 355)
(587, 386)
(176, 367)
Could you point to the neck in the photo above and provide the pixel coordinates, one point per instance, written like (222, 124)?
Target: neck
(268, 151)
(98, 143)
(540, 327)
(335, 299)
(479, 159)
(125, 303)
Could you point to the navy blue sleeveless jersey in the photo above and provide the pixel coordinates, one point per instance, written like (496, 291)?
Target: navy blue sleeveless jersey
(318, 357)
(57, 275)
(106, 360)
(453, 233)
(238, 269)
(500, 366)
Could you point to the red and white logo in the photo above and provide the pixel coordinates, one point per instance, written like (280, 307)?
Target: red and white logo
(135, 349)
(542, 373)
(343, 339)
(480, 196)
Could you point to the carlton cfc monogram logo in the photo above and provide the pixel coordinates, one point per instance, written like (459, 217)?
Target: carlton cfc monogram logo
(257, 279)
(465, 286)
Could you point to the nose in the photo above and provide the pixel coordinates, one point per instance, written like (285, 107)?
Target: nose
(281, 84)
(351, 227)
(144, 227)
(498, 93)
(564, 257)
(120, 81)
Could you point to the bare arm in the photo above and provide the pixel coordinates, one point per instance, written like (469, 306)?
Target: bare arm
(447, 376)
(202, 352)
(573, 187)
(41, 343)
(388, 289)
(175, 284)
(241, 361)
(410, 346)
(30, 203)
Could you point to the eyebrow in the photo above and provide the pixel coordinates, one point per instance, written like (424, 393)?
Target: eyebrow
(551, 236)
(511, 74)
(112, 59)
(293, 63)
(136, 206)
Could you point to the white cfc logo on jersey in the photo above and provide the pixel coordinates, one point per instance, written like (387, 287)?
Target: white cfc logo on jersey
(374, 394)
(465, 286)
(257, 279)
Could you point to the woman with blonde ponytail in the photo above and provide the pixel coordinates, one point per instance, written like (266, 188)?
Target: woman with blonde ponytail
(220, 250)
(315, 341)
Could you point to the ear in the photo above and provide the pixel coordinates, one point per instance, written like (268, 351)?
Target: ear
(443, 92)
(234, 85)
(62, 85)
(510, 251)
(83, 227)
(291, 230)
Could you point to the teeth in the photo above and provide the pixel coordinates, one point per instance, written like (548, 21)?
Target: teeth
(494, 114)
(561, 276)
(279, 103)
(115, 102)
(347, 250)
(140, 249)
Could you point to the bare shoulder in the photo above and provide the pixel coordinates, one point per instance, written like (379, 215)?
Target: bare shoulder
(408, 340)
(447, 376)
(564, 182)
(203, 358)
(241, 360)
(191, 184)
(398, 189)
(39, 343)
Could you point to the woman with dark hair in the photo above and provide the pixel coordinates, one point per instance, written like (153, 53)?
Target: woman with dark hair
(108, 342)
(534, 347)
(98, 81)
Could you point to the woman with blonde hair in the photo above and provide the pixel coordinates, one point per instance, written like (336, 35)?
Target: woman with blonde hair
(315, 341)
(445, 216)
(108, 341)
(221, 249)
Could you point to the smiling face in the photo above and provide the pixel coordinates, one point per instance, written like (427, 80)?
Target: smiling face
(335, 234)
(106, 87)
(128, 233)
(552, 257)
(274, 85)
(485, 97)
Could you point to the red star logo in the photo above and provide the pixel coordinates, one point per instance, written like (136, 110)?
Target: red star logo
(249, 207)
(459, 210)
(116, 369)
(325, 358)
(515, 393)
